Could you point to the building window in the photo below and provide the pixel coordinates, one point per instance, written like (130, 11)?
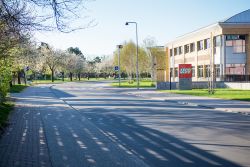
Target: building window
(235, 37)
(217, 70)
(171, 72)
(217, 41)
(180, 50)
(207, 71)
(229, 43)
(235, 69)
(192, 47)
(186, 48)
(200, 45)
(206, 43)
(193, 71)
(200, 71)
(175, 51)
(239, 46)
(171, 52)
(176, 71)
(237, 42)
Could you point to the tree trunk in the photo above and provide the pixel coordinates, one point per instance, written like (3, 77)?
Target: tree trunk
(52, 75)
(62, 76)
(19, 73)
(79, 76)
(71, 76)
(11, 83)
(14, 78)
(25, 80)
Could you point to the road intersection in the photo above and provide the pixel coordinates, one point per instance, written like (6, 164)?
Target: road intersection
(92, 124)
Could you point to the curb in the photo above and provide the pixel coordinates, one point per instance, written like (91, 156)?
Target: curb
(209, 107)
(194, 104)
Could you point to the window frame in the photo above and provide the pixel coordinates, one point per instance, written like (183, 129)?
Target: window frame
(180, 50)
(200, 75)
(192, 47)
(171, 52)
(193, 71)
(200, 45)
(186, 48)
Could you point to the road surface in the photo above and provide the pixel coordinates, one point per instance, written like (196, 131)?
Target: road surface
(92, 124)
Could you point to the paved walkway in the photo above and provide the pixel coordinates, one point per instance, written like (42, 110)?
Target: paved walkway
(45, 131)
(235, 106)
(24, 142)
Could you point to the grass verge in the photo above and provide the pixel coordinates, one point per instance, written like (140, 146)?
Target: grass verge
(7, 106)
(68, 80)
(231, 94)
(48, 81)
(17, 88)
(5, 109)
(126, 84)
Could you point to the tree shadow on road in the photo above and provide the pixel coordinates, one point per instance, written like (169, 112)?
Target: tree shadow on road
(104, 134)
(154, 147)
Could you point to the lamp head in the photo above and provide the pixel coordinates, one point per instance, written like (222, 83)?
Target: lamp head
(126, 23)
(119, 46)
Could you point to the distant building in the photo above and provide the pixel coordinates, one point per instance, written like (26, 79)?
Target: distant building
(221, 50)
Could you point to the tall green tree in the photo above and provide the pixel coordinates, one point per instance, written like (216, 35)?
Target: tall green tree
(128, 59)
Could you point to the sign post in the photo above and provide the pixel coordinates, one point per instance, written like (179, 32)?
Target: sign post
(119, 63)
(185, 76)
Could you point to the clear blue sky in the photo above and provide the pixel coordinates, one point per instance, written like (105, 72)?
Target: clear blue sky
(162, 19)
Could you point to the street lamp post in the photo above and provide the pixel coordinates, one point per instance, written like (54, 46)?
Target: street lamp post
(137, 63)
(119, 63)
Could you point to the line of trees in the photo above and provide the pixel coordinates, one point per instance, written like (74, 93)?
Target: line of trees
(18, 20)
(43, 60)
(18, 53)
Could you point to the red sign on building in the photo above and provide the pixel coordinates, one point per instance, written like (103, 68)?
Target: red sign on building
(185, 70)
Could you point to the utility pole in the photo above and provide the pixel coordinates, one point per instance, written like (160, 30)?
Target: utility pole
(119, 63)
(211, 78)
(137, 50)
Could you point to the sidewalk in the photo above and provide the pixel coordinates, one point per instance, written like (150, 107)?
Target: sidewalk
(235, 106)
(45, 131)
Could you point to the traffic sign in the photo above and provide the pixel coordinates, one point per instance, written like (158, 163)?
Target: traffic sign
(116, 68)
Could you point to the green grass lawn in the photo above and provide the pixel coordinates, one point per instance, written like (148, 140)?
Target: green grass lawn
(49, 81)
(232, 94)
(97, 79)
(5, 109)
(68, 80)
(126, 84)
(17, 88)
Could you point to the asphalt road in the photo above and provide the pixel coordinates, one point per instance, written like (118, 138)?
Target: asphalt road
(92, 124)
(161, 133)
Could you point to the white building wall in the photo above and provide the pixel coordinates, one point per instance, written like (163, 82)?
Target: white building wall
(217, 55)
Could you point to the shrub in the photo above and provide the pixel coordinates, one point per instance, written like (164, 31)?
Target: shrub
(5, 78)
